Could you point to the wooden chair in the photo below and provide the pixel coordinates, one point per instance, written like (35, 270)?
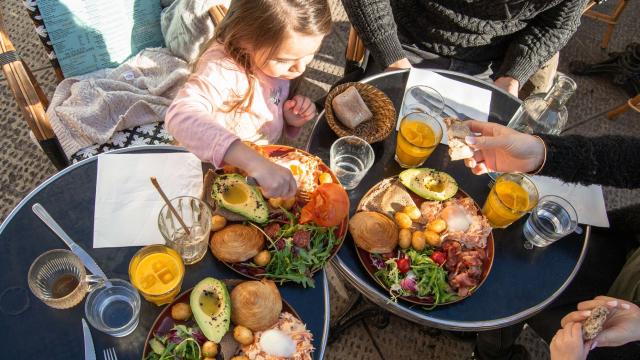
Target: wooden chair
(610, 19)
(631, 104)
(31, 99)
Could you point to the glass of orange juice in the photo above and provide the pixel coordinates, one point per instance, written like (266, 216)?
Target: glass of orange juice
(157, 272)
(418, 136)
(512, 196)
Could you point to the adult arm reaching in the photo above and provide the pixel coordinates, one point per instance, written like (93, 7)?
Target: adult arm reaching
(606, 160)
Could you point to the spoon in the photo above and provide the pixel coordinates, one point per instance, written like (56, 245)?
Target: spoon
(86, 259)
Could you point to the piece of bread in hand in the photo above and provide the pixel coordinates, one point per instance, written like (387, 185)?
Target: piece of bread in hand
(594, 323)
(456, 132)
(350, 108)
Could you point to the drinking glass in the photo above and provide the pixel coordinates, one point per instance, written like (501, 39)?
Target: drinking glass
(59, 279)
(418, 136)
(157, 272)
(422, 99)
(551, 220)
(512, 196)
(197, 216)
(350, 159)
(115, 309)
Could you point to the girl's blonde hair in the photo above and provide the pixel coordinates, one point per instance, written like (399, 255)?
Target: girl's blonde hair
(252, 31)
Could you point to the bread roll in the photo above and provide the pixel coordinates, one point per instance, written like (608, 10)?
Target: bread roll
(350, 109)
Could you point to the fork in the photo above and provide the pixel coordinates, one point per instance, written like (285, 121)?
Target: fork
(110, 354)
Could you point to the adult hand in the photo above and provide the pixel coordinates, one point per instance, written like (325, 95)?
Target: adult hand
(502, 149)
(399, 65)
(298, 110)
(508, 84)
(567, 344)
(622, 325)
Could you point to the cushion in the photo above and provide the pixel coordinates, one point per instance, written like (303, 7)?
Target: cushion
(150, 134)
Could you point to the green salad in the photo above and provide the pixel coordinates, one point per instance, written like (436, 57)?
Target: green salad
(415, 273)
(298, 250)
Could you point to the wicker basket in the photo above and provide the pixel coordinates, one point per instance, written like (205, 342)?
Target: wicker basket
(374, 130)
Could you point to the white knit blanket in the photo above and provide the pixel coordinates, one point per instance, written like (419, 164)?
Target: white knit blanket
(87, 110)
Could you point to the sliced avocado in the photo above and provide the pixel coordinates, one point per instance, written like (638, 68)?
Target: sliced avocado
(232, 192)
(211, 308)
(429, 183)
(156, 346)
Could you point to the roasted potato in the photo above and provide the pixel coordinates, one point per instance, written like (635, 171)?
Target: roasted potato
(263, 258)
(180, 311)
(209, 349)
(243, 335)
(288, 203)
(218, 222)
(437, 225)
(404, 238)
(276, 202)
(403, 220)
(413, 212)
(432, 238)
(325, 178)
(418, 241)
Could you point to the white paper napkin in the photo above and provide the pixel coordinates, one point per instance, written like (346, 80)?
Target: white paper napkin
(127, 204)
(461, 100)
(587, 200)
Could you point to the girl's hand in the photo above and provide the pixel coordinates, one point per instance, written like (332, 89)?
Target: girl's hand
(274, 180)
(622, 325)
(298, 110)
(502, 149)
(567, 344)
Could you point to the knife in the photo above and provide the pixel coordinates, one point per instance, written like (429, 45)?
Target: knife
(89, 351)
(86, 259)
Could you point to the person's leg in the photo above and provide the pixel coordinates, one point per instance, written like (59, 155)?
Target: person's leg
(541, 81)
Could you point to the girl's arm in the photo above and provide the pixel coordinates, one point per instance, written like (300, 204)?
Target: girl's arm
(194, 119)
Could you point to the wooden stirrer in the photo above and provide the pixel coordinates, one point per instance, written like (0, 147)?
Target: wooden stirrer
(155, 183)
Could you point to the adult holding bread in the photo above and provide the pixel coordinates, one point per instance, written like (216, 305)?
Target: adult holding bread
(612, 264)
(507, 42)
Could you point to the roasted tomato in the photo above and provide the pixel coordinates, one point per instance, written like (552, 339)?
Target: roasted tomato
(439, 257)
(404, 265)
(329, 205)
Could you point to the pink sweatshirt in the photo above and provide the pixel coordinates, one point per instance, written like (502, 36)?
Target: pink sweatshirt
(196, 118)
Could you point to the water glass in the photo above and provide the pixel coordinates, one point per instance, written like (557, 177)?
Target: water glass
(59, 279)
(419, 134)
(551, 220)
(197, 217)
(422, 99)
(350, 159)
(115, 309)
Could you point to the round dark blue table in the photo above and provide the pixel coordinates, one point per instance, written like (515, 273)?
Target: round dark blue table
(521, 282)
(42, 332)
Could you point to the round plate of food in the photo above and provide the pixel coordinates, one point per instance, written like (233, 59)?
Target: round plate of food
(422, 238)
(225, 319)
(279, 239)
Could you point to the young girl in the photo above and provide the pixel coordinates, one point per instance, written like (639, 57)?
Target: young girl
(240, 86)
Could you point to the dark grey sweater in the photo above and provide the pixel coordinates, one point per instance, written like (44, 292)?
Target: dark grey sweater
(523, 34)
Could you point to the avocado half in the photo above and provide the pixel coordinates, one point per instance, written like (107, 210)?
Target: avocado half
(429, 183)
(232, 192)
(211, 308)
